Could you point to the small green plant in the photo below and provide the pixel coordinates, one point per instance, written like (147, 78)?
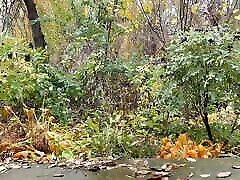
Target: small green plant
(116, 138)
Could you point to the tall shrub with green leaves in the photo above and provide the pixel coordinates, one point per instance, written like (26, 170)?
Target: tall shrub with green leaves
(203, 69)
(34, 83)
(16, 71)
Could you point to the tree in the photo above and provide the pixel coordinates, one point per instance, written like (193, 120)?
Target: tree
(13, 14)
(38, 37)
(203, 69)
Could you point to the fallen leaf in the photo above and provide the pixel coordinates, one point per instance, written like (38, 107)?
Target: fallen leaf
(58, 175)
(2, 169)
(191, 159)
(52, 165)
(156, 169)
(187, 177)
(205, 175)
(236, 166)
(93, 168)
(224, 174)
(15, 166)
(143, 172)
(159, 176)
(62, 164)
(124, 165)
(26, 166)
(160, 173)
(109, 163)
(170, 166)
(23, 154)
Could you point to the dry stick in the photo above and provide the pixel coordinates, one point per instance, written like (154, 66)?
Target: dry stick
(160, 19)
(235, 125)
(14, 15)
(228, 7)
(191, 17)
(109, 28)
(186, 15)
(215, 20)
(164, 40)
(181, 13)
(150, 24)
(6, 14)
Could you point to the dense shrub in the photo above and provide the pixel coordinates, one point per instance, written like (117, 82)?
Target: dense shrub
(203, 69)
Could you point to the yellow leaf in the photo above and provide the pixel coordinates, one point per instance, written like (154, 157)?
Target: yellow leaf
(194, 8)
(86, 10)
(173, 20)
(235, 11)
(156, 21)
(84, 38)
(221, 12)
(237, 17)
(192, 154)
(128, 15)
(147, 6)
(183, 139)
(224, 5)
(23, 154)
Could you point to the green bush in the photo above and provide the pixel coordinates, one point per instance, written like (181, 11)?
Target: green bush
(203, 69)
(115, 137)
(16, 75)
(35, 84)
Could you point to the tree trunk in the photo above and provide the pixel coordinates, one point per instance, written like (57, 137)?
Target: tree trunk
(38, 37)
(205, 120)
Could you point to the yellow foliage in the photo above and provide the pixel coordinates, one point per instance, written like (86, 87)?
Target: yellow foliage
(224, 5)
(184, 147)
(194, 9)
(235, 11)
(147, 6)
(237, 17)
(24, 154)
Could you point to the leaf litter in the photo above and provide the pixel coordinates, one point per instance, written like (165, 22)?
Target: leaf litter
(36, 141)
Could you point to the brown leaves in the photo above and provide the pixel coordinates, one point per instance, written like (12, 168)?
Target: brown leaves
(170, 166)
(184, 147)
(24, 155)
(7, 111)
(141, 169)
(31, 122)
(15, 132)
(224, 174)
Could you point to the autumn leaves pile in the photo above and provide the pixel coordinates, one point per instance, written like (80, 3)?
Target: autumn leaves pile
(184, 147)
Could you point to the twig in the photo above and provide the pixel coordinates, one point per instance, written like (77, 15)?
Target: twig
(162, 39)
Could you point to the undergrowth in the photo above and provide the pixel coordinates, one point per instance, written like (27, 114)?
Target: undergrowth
(121, 108)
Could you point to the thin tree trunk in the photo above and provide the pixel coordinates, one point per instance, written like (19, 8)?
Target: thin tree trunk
(38, 37)
(205, 120)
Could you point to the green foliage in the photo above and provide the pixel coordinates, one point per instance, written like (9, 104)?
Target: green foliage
(203, 69)
(36, 84)
(126, 105)
(15, 73)
(56, 90)
(117, 138)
